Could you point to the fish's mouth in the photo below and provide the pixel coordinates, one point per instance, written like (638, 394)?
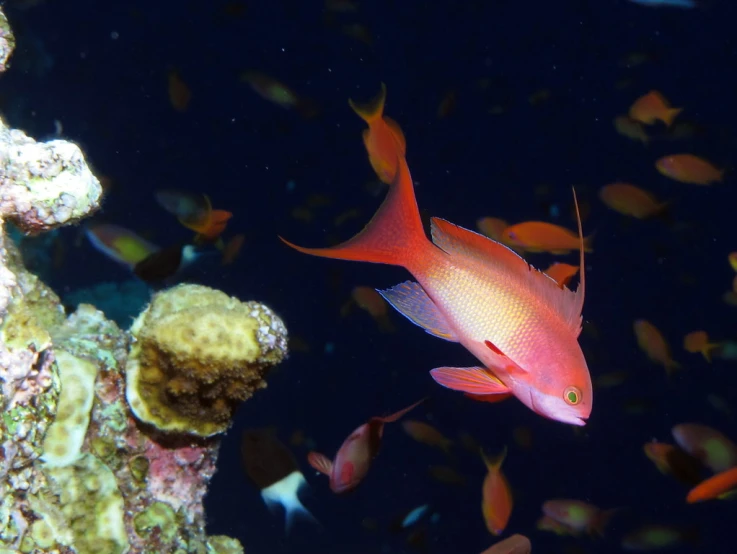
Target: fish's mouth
(571, 420)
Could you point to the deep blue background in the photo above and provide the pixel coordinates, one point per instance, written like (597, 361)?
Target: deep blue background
(110, 94)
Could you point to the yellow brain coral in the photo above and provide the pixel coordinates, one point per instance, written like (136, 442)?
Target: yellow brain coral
(197, 354)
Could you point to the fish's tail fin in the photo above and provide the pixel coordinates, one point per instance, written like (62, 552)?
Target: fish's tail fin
(601, 521)
(398, 415)
(285, 493)
(495, 462)
(374, 109)
(394, 235)
(672, 366)
(670, 115)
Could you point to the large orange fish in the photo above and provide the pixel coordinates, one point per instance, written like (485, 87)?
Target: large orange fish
(515, 319)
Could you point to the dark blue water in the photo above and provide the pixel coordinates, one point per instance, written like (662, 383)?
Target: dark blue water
(101, 70)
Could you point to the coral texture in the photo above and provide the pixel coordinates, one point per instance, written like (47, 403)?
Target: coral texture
(78, 472)
(198, 353)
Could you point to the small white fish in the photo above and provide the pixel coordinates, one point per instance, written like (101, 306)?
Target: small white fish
(685, 4)
(270, 465)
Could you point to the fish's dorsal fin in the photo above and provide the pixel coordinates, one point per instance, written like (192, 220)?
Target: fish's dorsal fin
(581, 289)
(456, 240)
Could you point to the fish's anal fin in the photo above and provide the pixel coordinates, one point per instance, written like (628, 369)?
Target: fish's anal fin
(320, 462)
(411, 300)
(472, 380)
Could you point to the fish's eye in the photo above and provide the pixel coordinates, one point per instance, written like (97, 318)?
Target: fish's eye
(572, 395)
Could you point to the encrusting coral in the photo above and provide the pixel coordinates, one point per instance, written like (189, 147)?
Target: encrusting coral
(78, 472)
(198, 353)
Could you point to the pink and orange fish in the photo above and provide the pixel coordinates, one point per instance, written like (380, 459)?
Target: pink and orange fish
(355, 455)
(518, 322)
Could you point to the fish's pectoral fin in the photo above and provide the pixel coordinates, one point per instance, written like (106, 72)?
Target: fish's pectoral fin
(501, 360)
(411, 300)
(473, 380)
(320, 462)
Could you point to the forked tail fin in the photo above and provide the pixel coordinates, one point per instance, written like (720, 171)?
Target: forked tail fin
(393, 236)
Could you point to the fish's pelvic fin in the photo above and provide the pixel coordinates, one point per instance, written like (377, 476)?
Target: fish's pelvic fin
(411, 300)
(473, 380)
(393, 236)
(501, 361)
(320, 462)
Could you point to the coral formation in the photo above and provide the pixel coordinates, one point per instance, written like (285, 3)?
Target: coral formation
(78, 472)
(198, 354)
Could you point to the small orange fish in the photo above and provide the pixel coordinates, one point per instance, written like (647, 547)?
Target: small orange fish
(522, 436)
(372, 302)
(578, 516)
(427, 434)
(687, 168)
(233, 249)
(179, 93)
(630, 200)
(493, 227)
(195, 212)
(539, 236)
(653, 107)
(496, 504)
(652, 342)
(446, 475)
(733, 260)
(717, 486)
(712, 448)
(278, 93)
(384, 140)
(697, 342)
(611, 379)
(448, 104)
(671, 460)
(730, 297)
(631, 129)
(561, 273)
